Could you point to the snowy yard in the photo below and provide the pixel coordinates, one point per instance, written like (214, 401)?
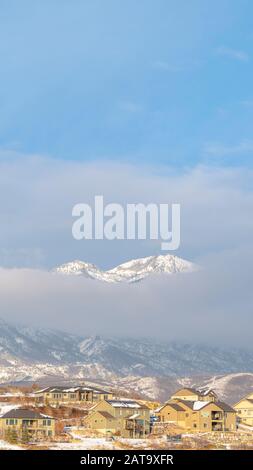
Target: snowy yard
(6, 446)
(81, 442)
(85, 443)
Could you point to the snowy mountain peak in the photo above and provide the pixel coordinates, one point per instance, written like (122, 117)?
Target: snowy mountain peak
(131, 271)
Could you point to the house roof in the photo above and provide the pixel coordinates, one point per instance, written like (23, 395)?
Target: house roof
(195, 391)
(106, 415)
(250, 400)
(208, 391)
(127, 404)
(134, 416)
(188, 403)
(66, 389)
(24, 413)
(173, 405)
(224, 406)
(176, 407)
(192, 390)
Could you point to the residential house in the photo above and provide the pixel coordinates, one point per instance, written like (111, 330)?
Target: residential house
(26, 421)
(244, 410)
(65, 395)
(196, 411)
(192, 394)
(128, 418)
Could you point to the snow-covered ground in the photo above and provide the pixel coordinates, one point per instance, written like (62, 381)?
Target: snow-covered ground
(81, 442)
(85, 443)
(6, 446)
(89, 443)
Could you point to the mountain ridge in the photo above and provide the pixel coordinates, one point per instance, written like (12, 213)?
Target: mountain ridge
(130, 271)
(120, 356)
(146, 366)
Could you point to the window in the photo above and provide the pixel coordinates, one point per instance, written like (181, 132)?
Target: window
(194, 425)
(205, 425)
(11, 422)
(46, 422)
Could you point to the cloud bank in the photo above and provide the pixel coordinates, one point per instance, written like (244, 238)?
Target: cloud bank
(213, 305)
(37, 195)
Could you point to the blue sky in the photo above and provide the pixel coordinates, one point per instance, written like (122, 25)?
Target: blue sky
(160, 81)
(141, 101)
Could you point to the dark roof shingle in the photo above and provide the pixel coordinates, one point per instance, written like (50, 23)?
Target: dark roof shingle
(106, 415)
(24, 413)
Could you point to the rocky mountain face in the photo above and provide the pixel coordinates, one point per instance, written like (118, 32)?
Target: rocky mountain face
(229, 387)
(150, 368)
(119, 355)
(132, 271)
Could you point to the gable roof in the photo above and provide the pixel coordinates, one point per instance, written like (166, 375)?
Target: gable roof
(224, 406)
(173, 405)
(208, 391)
(126, 404)
(105, 414)
(188, 403)
(250, 400)
(66, 389)
(220, 404)
(199, 405)
(24, 413)
(194, 391)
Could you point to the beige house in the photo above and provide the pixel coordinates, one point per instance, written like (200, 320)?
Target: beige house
(128, 418)
(196, 412)
(244, 410)
(192, 394)
(62, 395)
(103, 422)
(21, 421)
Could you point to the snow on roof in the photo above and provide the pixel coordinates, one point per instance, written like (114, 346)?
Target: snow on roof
(197, 405)
(42, 390)
(5, 408)
(72, 389)
(62, 389)
(47, 416)
(134, 416)
(125, 404)
(158, 409)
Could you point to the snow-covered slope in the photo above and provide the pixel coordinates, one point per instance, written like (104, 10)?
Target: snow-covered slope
(132, 271)
(149, 367)
(120, 356)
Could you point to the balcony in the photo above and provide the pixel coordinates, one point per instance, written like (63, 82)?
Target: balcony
(132, 425)
(217, 416)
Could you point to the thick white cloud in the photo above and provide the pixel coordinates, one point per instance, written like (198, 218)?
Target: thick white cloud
(37, 195)
(213, 305)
